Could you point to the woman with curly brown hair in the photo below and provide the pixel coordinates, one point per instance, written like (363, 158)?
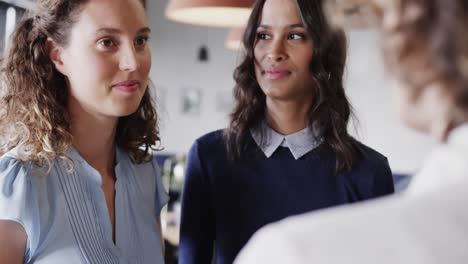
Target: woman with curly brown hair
(287, 150)
(425, 46)
(77, 123)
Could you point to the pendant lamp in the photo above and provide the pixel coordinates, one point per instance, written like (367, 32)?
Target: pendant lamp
(215, 13)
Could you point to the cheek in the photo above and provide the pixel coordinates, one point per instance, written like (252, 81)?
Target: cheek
(94, 67)
(304, 75)
(257, 62)
(145, 64)
(402, 102)
(304, 58)
(103, 64)
(259, 50)
(90, 75)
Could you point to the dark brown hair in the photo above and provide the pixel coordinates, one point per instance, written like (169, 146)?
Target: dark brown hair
(330, 111)
(33, 102)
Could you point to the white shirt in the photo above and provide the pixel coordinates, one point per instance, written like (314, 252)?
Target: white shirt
(426, 225)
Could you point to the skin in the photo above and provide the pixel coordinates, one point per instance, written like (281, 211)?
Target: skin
(283, 44)
(12, 242)
(431, 112)
(108, 46)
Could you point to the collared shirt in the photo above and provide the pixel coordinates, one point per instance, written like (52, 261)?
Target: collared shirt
(65, 213)
(299, 143)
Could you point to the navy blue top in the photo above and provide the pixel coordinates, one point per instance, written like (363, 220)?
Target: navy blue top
(225, 202)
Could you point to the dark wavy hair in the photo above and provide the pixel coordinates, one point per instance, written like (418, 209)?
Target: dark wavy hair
(33, 99)
(330, 110)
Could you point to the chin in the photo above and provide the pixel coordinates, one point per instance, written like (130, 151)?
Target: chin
(414, 121)
(125, 110)
(275, 92)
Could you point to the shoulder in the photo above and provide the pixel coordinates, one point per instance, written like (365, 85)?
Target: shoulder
(14, 181)
(448, 161)
(12, 165)
(207, 154)
(140, 173)
(368, 155)
(371, 163)
(148, 177)
(20, 180)
(18, 199)
(351, 230)
(212, 138)
(12, 171)
(209, 144)
(371, 175)
(144, 171)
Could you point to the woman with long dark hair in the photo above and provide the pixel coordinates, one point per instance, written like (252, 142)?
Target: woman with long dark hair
(77, 123)
(287, 149)
(425, 48)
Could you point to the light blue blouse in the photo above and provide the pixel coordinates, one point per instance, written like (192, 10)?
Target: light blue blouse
(65, 214)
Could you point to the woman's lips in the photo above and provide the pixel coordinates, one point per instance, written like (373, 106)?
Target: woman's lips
(128, 86)
(276, 74)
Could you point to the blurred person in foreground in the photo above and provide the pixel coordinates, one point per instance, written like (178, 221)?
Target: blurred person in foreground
(425, 47)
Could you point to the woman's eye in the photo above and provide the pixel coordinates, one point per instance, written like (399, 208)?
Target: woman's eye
(262, 35)
(296, 36)
(107, 43)
(141, 41)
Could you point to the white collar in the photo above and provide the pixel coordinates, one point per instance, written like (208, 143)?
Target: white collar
(299, 143)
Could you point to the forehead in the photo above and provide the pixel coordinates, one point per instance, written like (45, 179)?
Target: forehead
(280, 12)
(125, 15)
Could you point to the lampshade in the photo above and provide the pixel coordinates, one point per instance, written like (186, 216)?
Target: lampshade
(217, 13)
(234, 39)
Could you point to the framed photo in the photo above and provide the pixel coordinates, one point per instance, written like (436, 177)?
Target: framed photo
(191, 101)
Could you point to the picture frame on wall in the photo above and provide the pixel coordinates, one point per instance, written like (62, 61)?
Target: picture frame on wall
(191, 101)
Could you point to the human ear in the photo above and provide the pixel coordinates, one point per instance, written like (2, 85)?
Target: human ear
(54, 52)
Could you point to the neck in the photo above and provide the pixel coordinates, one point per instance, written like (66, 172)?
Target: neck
(287, 117)
(94, 138)
(440, 129)
(438, 112)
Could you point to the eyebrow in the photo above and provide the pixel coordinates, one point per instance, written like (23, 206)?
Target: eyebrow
(289, 26)
(117, 31)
